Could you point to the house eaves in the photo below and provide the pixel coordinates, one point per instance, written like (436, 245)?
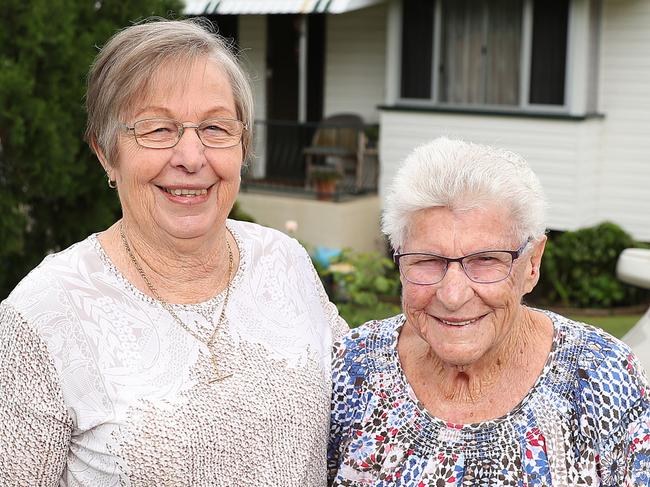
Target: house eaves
(264, 7)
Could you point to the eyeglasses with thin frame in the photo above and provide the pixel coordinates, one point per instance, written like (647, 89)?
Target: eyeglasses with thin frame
(163, 133)
(485, 267)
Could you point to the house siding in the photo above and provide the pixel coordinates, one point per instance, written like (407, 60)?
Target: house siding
(625, 100)
(355, 59)
(559, 151)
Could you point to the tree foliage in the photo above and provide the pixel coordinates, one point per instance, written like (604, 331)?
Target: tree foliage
(52, 189)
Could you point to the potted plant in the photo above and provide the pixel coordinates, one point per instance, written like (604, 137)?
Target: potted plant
(325, 183)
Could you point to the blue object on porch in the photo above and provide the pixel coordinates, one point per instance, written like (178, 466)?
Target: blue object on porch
(324, 255)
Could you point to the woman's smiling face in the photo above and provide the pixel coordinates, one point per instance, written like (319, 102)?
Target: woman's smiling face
(463, 321)
(149, 180)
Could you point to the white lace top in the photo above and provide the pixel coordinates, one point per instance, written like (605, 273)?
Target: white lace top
(99, 386)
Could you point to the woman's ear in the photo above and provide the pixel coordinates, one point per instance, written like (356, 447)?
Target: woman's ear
(108, 168)
(534, 263)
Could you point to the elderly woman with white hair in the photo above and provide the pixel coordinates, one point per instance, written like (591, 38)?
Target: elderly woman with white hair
(177, 347)
(470, 387)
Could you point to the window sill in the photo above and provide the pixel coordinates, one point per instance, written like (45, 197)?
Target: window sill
(490, 112)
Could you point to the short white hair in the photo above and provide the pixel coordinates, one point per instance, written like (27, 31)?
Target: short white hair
(460, 176)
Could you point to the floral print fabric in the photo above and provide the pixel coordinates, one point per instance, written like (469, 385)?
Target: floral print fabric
(585, 422)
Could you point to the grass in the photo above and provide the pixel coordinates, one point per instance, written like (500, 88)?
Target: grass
(616, 325)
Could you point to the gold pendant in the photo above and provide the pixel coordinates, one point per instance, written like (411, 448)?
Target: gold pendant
(218, 377)
(218, 374)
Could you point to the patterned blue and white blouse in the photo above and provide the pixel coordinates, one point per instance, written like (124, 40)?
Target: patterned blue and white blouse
(585, 422)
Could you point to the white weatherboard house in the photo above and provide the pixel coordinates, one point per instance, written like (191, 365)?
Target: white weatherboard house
(566, 83)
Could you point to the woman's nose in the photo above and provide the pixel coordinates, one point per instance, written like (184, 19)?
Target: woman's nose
(189, 152)
(455, 289)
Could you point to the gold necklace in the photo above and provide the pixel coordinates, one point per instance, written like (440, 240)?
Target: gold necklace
(218, 374)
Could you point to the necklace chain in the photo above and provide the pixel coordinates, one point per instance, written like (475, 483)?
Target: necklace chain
(218, 375)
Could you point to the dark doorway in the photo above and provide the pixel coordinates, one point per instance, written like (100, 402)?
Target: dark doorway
(282, 58)
(285, 136)
(227, 26)
(315, 67)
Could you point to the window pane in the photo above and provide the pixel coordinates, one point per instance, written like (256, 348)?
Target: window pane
(595, 13)
(548, 56)
(503, 56)
(461, 51)
(480, 51)
(417, 48)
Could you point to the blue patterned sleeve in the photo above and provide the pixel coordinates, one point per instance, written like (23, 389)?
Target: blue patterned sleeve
(617, 412)
(637, 442)
(348, 390)
(638, 458)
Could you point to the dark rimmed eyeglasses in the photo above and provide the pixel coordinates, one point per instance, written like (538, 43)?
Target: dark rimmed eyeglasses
(482, 267)
(163, 133)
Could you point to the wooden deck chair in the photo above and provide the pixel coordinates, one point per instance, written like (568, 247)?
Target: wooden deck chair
(338, 144)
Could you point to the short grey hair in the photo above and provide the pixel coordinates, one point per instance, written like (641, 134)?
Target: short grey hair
(123, 70)
(460, 176)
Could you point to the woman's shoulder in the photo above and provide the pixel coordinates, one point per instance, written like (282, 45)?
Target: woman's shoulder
(67, 264)
(269, 254)
(602, 377)
(366, 354)
(596, 347)
(372, 336)
(38, 301)
(266, 243)
(599, 361)
(255, 231)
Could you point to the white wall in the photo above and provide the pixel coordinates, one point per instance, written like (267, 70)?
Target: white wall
(625, 101)
(353, 224)
(559, 151)
(355, 62)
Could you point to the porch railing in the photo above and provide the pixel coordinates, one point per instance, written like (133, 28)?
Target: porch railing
(278, 164)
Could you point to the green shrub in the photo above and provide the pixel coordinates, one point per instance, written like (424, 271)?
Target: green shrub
(361, 277)
(579, 268)
(364, 286)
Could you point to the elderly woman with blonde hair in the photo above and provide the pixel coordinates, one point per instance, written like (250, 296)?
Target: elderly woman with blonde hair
(469, 386)
(177, 347)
